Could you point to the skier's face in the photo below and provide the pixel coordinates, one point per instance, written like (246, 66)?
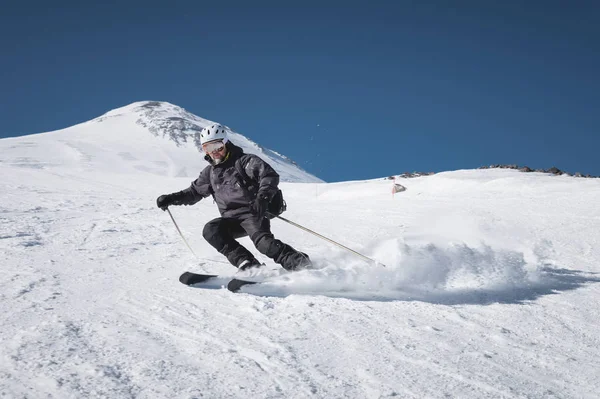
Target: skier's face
(215, 149)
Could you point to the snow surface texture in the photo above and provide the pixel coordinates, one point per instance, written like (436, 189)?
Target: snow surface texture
(490, 288)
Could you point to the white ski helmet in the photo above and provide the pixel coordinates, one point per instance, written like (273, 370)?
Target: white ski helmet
(212, 133)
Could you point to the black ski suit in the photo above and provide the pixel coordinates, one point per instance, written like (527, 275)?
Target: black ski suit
(234, 200)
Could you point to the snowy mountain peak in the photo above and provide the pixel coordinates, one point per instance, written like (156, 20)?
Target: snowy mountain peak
(162, 119)
(147, 136)
(149, 109)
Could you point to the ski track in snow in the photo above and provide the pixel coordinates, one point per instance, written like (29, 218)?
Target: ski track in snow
(490, 290)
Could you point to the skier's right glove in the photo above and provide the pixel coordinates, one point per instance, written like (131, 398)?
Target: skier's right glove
(260, 205)
(178, 198)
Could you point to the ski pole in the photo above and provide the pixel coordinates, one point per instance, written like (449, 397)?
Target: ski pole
(182, 237)
(330, 240)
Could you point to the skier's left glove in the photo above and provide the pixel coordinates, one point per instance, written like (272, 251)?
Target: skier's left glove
(260, 205)
(164, 201)
(183, 197)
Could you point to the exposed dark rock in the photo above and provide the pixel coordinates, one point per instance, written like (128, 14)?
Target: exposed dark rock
(398, 188)
(158, 118)
(151, 104)
(408, 175)
(415, 174)
(553, 170)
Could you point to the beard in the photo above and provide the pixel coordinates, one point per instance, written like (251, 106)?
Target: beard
(218, 160)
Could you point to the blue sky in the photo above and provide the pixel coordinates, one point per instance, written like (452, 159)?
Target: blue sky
(350, 90)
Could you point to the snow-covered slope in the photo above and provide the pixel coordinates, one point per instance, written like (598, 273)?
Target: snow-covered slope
(149, 136)
(491, 288)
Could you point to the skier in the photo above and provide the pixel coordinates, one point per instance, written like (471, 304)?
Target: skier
(243, 211)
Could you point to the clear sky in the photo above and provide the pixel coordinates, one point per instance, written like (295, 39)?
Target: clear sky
(350, 90)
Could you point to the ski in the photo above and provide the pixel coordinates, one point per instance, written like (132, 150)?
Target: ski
(189, 278)
(213, 281)
(235, 284)
(216, 281)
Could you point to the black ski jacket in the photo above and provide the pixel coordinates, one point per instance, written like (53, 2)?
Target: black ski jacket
(226, 185)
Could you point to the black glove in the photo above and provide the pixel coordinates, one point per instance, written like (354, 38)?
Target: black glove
(260, 205)
(179, 198)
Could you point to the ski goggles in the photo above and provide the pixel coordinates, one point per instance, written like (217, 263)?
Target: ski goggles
(213, 146)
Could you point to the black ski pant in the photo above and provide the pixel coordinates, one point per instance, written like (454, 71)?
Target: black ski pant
(221, 233)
